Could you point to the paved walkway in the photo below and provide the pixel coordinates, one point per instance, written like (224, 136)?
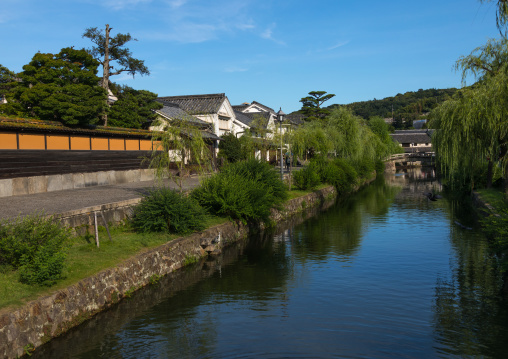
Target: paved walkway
(74, 199)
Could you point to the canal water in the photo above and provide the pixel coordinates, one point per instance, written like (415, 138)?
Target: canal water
(385, 273)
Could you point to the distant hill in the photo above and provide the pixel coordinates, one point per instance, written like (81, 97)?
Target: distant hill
(406, 108)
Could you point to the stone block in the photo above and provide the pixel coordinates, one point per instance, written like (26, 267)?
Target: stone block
(37, 184)
(6, 187)
(133, 175)
(78, 180)
(90, 179)
(67, 181)
(103, 178)
(54, 183)
(147, 174)
(19, 186)
(119, 177)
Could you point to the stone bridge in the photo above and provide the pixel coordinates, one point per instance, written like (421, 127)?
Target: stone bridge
(408, 160)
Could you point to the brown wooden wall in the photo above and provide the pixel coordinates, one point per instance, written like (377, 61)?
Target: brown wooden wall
(26, 163)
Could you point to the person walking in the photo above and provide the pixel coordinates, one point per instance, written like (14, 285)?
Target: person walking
(288, 160)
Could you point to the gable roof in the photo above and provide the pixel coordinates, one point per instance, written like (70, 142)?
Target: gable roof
(196, 104)
(241, 107)
(254, 119)
(269, 109)
(243, 118)
(295, 118)
(173, 111)
(244, 106)
(411, 136)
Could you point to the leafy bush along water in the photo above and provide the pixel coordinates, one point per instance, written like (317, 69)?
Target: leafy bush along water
(36, 246)
(307, 178)
(244, 190)
(165, 210)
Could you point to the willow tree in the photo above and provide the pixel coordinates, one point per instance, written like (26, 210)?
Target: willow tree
(341, 134)
(471, 127)
(174, 145)
(472, 130)
(501, 15)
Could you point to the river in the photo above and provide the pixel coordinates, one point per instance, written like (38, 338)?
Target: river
(385, 273)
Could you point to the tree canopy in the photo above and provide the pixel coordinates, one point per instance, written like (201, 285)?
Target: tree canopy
(341, 134)
(134, 108)
(58, 87)
(311, 105)
(112, 49)
(7, 80)
(471, 135)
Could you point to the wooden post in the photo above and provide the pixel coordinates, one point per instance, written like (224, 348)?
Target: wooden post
(96, 229)
(106, 225)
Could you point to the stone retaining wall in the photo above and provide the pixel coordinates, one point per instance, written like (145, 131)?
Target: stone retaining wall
(58, 182)
(39, 321)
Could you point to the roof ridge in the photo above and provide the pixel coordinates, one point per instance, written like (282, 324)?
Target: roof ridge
(212, 95)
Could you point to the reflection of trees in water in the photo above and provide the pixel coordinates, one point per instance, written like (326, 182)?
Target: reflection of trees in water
(339, 230)
(470, 318)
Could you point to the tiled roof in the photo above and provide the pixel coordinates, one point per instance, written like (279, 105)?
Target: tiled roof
(172, 111)
(32, 125)
(243, 118)
(411, 137)
(243, 106)
(256, 118)
(196, 104)
(295, 118)
(265, 107)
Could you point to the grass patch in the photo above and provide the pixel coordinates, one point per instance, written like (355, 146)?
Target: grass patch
(495, 197)
(84, 259)
(300, 193)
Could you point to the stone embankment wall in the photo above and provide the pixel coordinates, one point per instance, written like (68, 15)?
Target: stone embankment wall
(43, 319)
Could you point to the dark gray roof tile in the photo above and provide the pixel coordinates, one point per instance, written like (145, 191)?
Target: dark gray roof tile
(196, 104)
(172, 111)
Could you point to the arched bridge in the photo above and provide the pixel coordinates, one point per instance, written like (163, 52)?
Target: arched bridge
(404, 160)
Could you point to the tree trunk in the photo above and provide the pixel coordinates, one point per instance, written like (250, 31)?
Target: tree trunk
(105, 72)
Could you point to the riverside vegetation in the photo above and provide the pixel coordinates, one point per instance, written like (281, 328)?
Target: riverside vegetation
(39, 256)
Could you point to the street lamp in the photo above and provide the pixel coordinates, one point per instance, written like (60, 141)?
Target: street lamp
(280, 118)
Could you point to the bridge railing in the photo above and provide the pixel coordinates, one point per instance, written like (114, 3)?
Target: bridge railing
(399, 156)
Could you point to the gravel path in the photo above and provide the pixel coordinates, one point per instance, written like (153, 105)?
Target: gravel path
(68, 200)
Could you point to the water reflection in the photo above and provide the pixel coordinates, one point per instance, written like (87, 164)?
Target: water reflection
(383, 273)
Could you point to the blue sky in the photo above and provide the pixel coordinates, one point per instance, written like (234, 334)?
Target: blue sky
(270, 51)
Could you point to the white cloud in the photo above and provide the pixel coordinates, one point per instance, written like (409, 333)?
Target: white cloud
(177, 3)
(198, 21)
(235, 69)
(186, 33)
(268, 34)
(340, 44)
(121, 4)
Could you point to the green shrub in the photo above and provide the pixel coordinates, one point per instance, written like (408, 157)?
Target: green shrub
(379, 166)
(36, 246)
(165, 210)
(245, 190)
(320, 165)
(230, 148)
(364, 167)
(348, 169)
(307, 178)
